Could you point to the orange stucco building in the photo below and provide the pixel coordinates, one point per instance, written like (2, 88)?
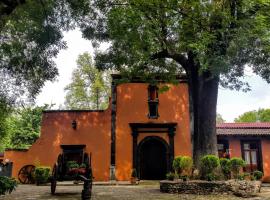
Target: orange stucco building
(141, 129)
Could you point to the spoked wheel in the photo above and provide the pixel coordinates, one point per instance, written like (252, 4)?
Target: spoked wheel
(54, 179)
(26, 174)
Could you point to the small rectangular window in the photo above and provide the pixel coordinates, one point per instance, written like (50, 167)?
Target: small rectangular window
(153, 101)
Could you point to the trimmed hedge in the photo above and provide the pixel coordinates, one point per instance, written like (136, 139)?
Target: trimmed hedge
(209, 164)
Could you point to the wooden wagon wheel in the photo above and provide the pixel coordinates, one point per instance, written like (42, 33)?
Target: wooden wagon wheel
(54, 179)
(26, 174)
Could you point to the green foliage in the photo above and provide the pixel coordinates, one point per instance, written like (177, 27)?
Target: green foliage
(72, 164)
(134, 173)
(211, 177)
(257, 175)
(170, 176)
(219, 35)
(7, 185)
(219, 118)
(42, 174)
(4, 110)
(23, 127)
(209, 164)
(186, 164)
(90, 88)
(31, 37)
(225, 167)
(176, 164)
(236, 165)
(260, 115)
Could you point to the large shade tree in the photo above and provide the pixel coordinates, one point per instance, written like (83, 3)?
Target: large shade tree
(211, 41)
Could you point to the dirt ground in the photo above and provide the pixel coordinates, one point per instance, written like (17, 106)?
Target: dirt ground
(115, 192)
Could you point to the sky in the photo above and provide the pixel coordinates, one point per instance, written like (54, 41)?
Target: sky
(230, 104)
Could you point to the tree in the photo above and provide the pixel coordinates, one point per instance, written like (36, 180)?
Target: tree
(211, 41)
(90, 87)
(31, 36)
(219, 118)
(260, 115)
(23, 126)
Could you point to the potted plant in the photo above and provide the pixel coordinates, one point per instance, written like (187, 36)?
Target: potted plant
(133, 179)
(42, 174)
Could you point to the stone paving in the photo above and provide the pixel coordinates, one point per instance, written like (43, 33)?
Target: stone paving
(115, 192)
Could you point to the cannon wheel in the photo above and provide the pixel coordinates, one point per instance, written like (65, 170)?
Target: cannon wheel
(54, 179)
(26, 174)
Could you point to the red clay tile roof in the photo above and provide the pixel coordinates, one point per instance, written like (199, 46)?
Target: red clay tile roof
(254, 128)
(1, 154)
(244, 125)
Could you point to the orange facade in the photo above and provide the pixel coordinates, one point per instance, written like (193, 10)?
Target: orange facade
(94, 130)
(126, 135)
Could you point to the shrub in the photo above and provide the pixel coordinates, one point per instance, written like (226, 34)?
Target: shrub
(42, 174)
(257, 175)
(244, 176)
(225, 167)
(186, 164)
(209, 164)
(236, 165)
(7, 185)
(170, 176)
(176, 164)
(72, 164)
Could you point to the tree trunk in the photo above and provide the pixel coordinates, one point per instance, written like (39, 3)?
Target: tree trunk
(203, 90)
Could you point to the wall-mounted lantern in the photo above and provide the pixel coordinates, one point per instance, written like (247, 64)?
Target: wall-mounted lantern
(74, 124)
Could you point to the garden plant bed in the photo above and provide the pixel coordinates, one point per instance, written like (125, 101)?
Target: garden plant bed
(241, 188)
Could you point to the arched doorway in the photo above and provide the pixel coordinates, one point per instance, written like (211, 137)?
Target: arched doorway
(152, 158)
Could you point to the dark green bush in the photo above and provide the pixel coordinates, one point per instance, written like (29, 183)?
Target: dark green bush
(257, 175)
(170, 176)
(225, 166)
(176, 164)
(211, 177)
(209, 164)
(42, 174)
(7, 185)
(236, 165)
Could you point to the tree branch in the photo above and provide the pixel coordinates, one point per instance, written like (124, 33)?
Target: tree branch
(179, 58)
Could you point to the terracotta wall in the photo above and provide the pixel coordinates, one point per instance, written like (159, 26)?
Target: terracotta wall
(266, 159)
(132, 107)
(235, 147)
(93, 130)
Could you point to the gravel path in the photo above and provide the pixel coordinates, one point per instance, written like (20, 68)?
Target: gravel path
(140, 192)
